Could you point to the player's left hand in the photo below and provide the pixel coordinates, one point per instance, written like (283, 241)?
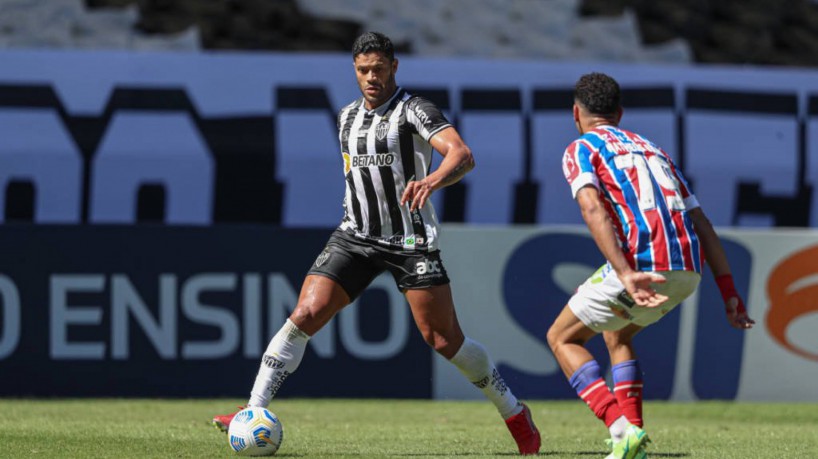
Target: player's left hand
(737, 314)
(638, 285)
(416, 194)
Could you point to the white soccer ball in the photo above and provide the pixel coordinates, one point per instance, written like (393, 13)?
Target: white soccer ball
(255, 431)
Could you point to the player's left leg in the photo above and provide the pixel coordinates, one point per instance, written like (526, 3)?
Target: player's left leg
(626, 372)
(434, 314)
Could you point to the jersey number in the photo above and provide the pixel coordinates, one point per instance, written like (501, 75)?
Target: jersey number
(654, 166)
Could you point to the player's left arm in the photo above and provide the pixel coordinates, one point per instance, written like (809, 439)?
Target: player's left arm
(457, 161)
(717, 259)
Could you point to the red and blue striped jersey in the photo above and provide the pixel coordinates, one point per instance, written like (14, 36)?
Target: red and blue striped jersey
(644, 193)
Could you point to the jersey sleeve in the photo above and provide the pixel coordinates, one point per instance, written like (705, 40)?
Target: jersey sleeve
(425, 117)
(577, 167)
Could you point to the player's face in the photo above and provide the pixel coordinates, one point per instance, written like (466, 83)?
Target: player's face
(376, 77)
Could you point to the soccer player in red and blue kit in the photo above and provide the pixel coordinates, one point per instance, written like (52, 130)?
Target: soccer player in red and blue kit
(655, 237)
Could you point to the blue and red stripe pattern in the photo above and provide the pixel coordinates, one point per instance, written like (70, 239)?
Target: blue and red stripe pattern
(644, 193)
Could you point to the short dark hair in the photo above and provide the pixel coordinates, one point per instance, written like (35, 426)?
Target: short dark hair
(373, 41)
(598, 93)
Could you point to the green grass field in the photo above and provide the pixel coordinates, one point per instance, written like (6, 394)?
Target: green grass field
(395, 428)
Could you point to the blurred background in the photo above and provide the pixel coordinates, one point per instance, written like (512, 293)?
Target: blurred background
(169, 170)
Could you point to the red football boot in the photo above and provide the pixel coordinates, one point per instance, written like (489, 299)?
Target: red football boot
(222, 421)
(524, 431)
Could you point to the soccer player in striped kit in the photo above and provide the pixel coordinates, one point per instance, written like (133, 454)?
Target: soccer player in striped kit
(387, 138)
(655, 237)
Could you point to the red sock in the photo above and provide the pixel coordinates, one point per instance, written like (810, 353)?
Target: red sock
(629, 397)
(602, 402)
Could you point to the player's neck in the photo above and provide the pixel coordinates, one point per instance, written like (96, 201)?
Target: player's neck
(595, 123)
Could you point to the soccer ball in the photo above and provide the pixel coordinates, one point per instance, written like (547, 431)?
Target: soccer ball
(255, 431)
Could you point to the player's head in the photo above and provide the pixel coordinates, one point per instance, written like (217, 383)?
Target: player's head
(375, 66)
(596, 101)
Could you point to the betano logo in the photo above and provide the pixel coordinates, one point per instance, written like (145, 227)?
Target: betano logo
(377, 160)
(358, 161)
(793, 292)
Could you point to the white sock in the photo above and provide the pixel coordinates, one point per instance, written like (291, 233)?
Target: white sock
(618, 429)
(282, 357)
(473, 361)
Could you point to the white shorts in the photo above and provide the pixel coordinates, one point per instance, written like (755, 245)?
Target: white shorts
(602, 303)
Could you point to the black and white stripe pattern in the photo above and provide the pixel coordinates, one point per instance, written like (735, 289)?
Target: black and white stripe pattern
(383, 149)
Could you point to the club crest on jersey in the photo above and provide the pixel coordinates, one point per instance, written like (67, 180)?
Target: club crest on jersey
(381, 130)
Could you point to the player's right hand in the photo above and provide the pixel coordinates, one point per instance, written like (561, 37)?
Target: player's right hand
(737, 314)
(638, 285)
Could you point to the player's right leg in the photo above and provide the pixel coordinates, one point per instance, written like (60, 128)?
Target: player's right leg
(340, 273)
(320, 299)
(626, 372)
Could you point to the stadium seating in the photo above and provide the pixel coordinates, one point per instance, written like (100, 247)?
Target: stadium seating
(503, 29)
(69, 24)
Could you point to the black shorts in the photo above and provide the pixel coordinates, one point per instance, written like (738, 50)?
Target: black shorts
(355, 263)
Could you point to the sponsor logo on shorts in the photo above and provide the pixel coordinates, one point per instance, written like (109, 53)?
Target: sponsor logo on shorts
(321, 259)
(625, 299)
(428, 267)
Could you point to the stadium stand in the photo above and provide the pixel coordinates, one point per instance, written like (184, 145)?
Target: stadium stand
(70, 24)
(733, 31)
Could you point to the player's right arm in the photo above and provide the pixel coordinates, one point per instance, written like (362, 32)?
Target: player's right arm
(714, 254)
(579, 172)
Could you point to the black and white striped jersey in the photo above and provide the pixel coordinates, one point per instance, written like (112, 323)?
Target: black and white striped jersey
(383, 149)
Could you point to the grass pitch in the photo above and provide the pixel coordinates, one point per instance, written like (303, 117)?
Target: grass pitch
(395, 428)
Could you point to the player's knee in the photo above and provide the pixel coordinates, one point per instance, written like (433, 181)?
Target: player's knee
(553, 336)
(558, 337)
(616, 339)
(612, 340)
(309, 317)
